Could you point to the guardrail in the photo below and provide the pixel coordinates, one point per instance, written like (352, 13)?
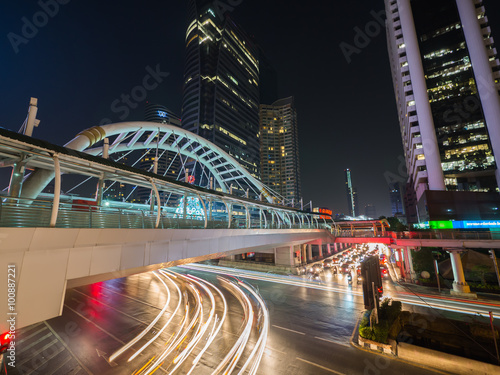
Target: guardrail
(432, 235)
(37, 213)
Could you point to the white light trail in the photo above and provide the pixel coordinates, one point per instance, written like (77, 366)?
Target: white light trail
(145, 330)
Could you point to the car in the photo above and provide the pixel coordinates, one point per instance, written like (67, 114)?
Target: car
(316, 267)
(327, 263)
(383, 272)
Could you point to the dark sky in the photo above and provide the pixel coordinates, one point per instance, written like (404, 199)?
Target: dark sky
(86, 54)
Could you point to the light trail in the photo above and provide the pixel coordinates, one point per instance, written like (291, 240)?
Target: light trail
(436, 302)
(166, 324)
(147, 329)
(201, 321)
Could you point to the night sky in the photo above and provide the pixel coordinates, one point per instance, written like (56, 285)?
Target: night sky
(91, 52)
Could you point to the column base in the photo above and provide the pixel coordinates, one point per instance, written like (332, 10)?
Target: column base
(462, 290)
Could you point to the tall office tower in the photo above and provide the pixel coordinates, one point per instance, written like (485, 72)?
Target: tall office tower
(221, 84)
(396, 197)
(445, 73)
(279, 152)
(352, 194)
(169, 164)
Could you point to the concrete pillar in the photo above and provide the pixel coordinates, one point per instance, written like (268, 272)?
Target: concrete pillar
(309, 252)
(303, 252)
(284, 256)
(320, 247)
(425, 119)
(329, 248)
(485, 82)
(460, 286)
(409, 264)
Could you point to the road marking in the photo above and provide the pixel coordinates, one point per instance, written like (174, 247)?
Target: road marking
(94, 324)
(321, 367)
(67, 348)
(291, 330)
(275, 350)
(332, 341)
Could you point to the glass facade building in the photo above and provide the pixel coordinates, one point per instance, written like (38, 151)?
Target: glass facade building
(396, 198)
(279, 158)
(169, 164)
(221, 84)
(446, 76)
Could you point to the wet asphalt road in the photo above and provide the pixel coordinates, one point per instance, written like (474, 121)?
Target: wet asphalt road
(310, 330)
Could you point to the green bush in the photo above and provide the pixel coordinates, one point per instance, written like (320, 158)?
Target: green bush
(366, 333)
(381, 331)
(389, 313)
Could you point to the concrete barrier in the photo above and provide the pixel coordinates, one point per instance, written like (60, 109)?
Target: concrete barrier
(445, 361)
(377, 346)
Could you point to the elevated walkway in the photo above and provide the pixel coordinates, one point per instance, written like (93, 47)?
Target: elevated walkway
(49, 260)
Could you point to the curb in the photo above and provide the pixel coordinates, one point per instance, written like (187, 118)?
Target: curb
(389, 356)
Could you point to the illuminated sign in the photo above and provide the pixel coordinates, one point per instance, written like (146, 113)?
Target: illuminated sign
(441, 224)
(162, 114)
(476, 224)
(459, 224)
(327, 213)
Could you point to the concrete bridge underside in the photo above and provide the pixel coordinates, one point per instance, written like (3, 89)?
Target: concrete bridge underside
(50, 260)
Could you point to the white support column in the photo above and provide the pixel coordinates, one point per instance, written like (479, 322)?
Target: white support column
(303, 253)
(328, 246)
(157, 195)
(425, 119)
(205, 214)
(409, 263)
(460, 286)
(320, 247)
(247, 217)
(57, 191)
(485, 82)
(309, 252)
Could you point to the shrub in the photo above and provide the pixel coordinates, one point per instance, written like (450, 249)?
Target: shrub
(366, 333)
(381, 331)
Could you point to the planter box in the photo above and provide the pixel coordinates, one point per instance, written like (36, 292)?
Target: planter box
(390, 348)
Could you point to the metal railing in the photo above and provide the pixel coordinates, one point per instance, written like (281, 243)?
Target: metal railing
(431, 235)
(37, 213)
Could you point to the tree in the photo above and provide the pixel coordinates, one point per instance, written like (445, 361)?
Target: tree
(395, 224)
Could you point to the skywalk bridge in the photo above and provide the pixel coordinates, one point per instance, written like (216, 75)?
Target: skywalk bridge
(57, 240)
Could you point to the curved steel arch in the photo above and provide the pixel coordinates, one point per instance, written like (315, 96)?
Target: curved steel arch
(168, 137)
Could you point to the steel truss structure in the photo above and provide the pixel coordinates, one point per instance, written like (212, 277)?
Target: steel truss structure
(219, 208)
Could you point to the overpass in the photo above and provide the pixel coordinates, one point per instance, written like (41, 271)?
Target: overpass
(455, 242)
(54, 240)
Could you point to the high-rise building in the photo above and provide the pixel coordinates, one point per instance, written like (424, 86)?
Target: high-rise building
(446, 75)
(279, 152)
(352, 194)
(169, 163)
(221, 84)
(396, 197)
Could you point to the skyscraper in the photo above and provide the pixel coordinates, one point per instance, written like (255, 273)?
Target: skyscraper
(396, 197)
(445, 73)
(221, 84)
(352, 194)
(279, 153)
(169, 164)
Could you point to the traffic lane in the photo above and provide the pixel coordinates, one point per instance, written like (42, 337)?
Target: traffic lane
(290, 305)
(102, 330)
(303, 353)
